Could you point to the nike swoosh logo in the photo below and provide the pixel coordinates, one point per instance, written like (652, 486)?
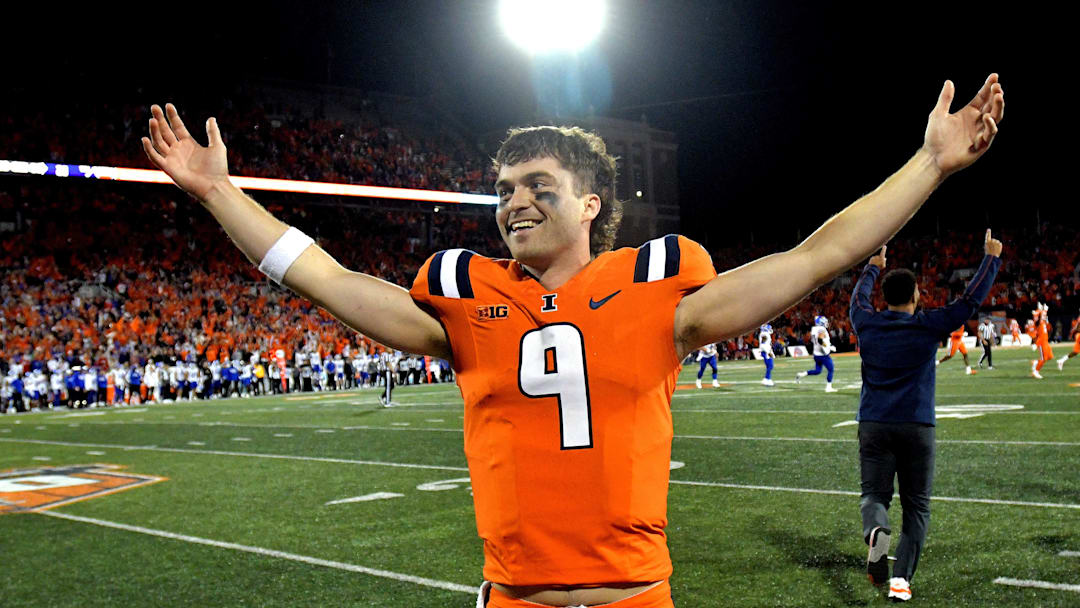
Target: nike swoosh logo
(593, 304)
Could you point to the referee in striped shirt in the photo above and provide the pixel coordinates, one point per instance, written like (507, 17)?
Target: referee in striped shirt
(986, 336)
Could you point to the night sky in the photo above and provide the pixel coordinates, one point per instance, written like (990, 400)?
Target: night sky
(784, 112)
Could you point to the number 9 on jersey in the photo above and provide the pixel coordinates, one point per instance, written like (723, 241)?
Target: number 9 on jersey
(552, 364)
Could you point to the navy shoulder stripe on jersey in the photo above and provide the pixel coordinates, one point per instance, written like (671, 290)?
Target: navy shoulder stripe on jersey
(448, 274)
(657, 259)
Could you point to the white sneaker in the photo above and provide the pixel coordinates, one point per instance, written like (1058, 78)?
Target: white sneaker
(715, 383)
(767, 382)
(799, 376)
(936, 363)
(698, 382)
(1061, 364)
(1035, 374)
(899, 589)
(830, 389)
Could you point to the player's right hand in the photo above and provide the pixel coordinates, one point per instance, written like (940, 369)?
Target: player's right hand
(992, 245)
(879, 259)
(195, 168)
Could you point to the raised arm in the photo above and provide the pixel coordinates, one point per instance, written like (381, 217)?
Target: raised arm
(954, 314)
(743, 298)
(375, 308)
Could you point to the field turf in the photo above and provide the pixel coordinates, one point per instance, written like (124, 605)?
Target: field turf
(763, 504)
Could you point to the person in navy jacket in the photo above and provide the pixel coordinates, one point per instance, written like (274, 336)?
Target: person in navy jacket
(896, 407)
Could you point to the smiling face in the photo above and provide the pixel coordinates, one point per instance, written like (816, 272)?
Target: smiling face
(541, 216)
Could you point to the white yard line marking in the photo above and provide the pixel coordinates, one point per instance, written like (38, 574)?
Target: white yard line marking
(849, 412)
(296, 426)
(399, 426)
(365, 498)
(324, 430)
(314, 561)
(95, 453)
(282, 434)
(852, 440)
(241, 438)
(1069, 554)
(1015, 582)
(152, 448)
(196, 443)
(434, 420)
(690, 393)
(41, 458)
(986, 501)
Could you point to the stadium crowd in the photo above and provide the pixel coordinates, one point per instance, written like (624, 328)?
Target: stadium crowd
(264, 140)
(107, 287)
(1047, 272)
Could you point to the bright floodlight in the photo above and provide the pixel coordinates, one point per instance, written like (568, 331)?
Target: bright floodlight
(552, 25)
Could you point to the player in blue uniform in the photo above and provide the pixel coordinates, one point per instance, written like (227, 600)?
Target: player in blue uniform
(765, 346)
(707, 356)
(819, 336)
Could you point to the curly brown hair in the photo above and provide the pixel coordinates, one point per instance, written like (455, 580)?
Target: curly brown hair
(583, 154)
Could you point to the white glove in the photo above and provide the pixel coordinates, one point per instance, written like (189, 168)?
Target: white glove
(832, 349)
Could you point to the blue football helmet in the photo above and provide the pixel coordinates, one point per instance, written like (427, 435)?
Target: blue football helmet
(822, 321)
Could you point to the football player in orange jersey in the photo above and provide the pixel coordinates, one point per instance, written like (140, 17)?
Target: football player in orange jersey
(567, 355)
(1042, 341)
(1076, 346)
(956, 343)
(1014, 329)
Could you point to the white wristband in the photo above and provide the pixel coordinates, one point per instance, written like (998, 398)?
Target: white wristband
(284, 252)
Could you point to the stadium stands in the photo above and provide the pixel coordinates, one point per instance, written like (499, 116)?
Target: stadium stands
(116, 275)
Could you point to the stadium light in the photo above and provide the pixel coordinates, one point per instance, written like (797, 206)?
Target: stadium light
(127, 174)
(552, 26)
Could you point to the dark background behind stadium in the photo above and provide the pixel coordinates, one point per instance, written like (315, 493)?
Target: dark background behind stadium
(783, 111)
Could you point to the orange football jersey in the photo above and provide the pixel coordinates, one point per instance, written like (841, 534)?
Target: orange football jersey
(1042, 332)
(957, 335)
(568, 407)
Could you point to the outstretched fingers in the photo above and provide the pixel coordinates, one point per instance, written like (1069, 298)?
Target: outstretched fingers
(987, 240)
(151, 153)
(175, 122)
(982, 98)
(997, 104)
(945, 98)
(213, 133)
(166, 131)
(156, 137)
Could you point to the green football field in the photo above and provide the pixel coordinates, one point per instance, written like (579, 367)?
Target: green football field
(255, 509)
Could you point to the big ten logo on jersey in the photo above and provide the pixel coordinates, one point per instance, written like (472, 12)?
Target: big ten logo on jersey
(493, 312)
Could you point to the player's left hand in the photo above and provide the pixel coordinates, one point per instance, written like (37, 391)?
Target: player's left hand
(956, 140)
(832, 348)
